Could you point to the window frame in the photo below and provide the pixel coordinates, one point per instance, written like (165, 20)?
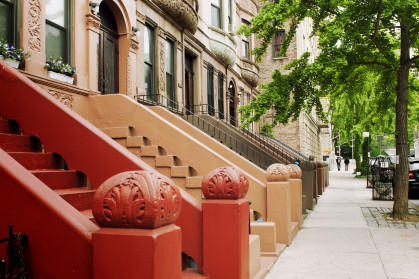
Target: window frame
(280, 45)
(173, 71)
(220, 96)
(68, 32)
(220, 13)
(16, 18)
(210, 90)
(151, 63)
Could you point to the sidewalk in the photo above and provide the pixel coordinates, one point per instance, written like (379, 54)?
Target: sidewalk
(345, 237)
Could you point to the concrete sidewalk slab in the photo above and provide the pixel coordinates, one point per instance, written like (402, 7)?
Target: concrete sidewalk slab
(337, 241)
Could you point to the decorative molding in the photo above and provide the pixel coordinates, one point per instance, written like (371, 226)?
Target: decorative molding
(251, 77)
(223, 52)
(93, 22)
(248, 6)
(64, 98)
(277, 172)
(134, 45)
(295, 171)
(129, 77)
(185, 12)
(141, 18)
(162, 65)
(137, 199)
(225, 183)
(34, 21)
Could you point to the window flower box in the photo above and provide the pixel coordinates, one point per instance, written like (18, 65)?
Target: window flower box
(60, 77)
(12, 62)
(12, 55)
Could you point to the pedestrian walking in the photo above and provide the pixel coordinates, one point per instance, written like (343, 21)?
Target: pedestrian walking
(338, 160)
(346, 161)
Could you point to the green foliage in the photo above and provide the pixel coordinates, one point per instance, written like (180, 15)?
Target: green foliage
(10, 51)
(58, 66)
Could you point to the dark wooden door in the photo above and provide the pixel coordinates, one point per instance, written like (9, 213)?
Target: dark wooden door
(108, 51)
(189, 98)
(108, 63)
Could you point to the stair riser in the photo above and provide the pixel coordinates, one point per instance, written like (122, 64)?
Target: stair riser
(38, 161)
(5, 127)
(18, 143)
(61, 179)
(81, 201)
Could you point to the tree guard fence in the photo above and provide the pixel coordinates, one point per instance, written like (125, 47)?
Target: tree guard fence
(382, 178)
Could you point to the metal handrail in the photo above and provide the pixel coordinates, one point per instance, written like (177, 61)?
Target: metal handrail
(251, 134)
(238, 146)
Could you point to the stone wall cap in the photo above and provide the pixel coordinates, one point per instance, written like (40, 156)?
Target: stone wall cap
(308, 165)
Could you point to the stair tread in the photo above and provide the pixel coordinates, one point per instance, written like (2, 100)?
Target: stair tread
(17, 143)
(69, 191)
(36, 160)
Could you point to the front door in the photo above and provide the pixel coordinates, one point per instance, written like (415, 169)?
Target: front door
(232, 104)
(189, 100)
(108, 52)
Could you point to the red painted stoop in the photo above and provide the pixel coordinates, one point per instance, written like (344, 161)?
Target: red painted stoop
(35, 128)
(47, 166)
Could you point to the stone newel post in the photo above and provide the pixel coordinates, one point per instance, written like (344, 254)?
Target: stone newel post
(279, 201)
(296, 193)
(138, 239)
(225, 224)
(309, 180)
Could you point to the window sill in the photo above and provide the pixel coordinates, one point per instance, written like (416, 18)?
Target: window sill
(279, 58)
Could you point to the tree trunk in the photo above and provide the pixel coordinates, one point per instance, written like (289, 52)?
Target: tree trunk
(400, 206)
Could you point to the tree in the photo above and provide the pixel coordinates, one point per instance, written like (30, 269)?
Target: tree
(377, 37)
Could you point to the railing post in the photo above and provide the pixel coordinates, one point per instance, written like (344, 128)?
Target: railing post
(309, 181)
(138, 239)
(296, 193)
(225, 224)
(279, 201)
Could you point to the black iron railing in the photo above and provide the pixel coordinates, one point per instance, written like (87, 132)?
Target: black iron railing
(283, 152)
(16, 242)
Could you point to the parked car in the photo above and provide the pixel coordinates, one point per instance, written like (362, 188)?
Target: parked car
(413, 177)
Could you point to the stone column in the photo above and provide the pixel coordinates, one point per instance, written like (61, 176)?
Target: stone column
(296, 193)
(131, 66)
(309, 183)
(138, 239)
(279, 201)
(319, 166)
(93, 26)
(225, 224)
(33, 34)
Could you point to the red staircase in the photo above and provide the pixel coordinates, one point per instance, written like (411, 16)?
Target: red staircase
(48, 167)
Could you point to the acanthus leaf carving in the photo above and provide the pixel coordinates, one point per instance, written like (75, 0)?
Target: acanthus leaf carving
(34, 21)
(64, 98)
(162, 58)
(225, 183)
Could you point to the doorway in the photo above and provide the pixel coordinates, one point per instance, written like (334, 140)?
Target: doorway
(108, 52)
(232, 103)
(189, 98)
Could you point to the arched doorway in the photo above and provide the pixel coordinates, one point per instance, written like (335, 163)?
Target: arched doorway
(107, 51)
(232, 103)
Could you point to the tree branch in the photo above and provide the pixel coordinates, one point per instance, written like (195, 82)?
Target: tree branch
(413, 59)
(374, 63)
(377, 23)
(333, 12)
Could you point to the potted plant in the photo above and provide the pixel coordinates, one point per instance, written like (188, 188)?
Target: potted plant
(11, 54)
(59, 70)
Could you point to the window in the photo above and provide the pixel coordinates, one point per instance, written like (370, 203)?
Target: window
(149, 53)
(216, 13)
(170, 72)
(277, 43)
(220, 96)
(9, 21)
(230, 12)
(210, 90)
(246, 50)
(57, 29)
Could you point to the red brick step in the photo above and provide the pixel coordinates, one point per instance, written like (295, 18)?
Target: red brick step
(19, 143)
(80, 198)
(60, 179)
(38, 161)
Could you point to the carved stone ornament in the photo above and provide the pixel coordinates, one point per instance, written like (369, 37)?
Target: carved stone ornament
(129, 77)
(277, 172)
(34, 21)
(251, 77)
(162, 61)
(249, 6)
(137, 199)
(64, 98)
(295, 171)
(184, 12)
(225, 183)
(223, 52)
(92, 22)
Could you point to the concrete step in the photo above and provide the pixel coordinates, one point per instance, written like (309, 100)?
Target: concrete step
(164, 170)
(38, 161)
(180, 171)
(79, 198)
(194, 182)
(295, 227)
(19, 143)
(165, 161)
(151, 161)
(136, 141)
(149, 151)
(116, 132)
(60, 179)
(135, 150)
